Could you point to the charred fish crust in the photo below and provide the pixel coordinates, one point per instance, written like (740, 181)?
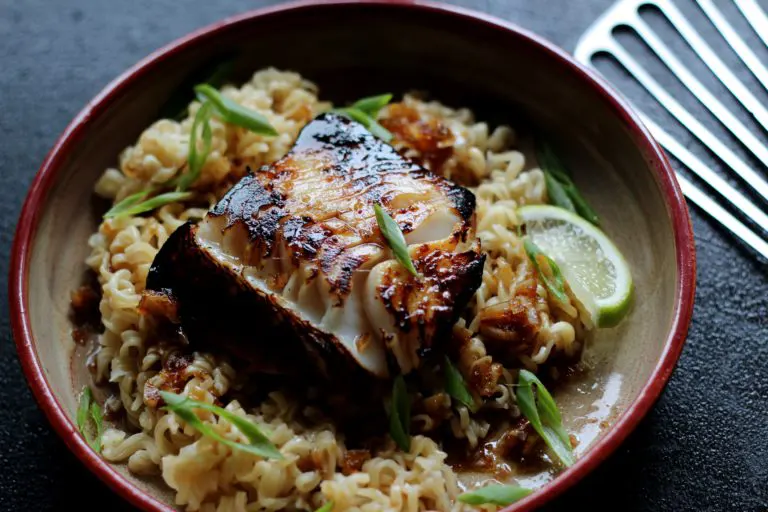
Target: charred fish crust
(161, 303)
(447, 283)
(291, 272)
(464, 201)
(471, 265)
(355, 152)
(159, 278)
(303, 237)
(246, 198)
(334, 131)
(462, 286)
(244, 204)
(218, 309)
(263, 230)
(332, 249)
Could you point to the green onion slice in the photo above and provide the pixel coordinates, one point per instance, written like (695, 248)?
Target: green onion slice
(234, 113)
(557, 194)
(372, 104)
(496, 494)
(561, 189)
(215, 73)
(456, 386)
(150, 204)
(400, 414)
(555, 284)
(183, 407)
(541, 411)
(394, 237)
(201, 127)
(327, 507)
(89, 419)
(127, 202)
(366, 120)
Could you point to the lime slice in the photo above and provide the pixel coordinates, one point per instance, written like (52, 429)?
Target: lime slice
(595, 269)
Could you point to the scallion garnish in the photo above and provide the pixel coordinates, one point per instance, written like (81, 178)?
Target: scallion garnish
(541, 411)
(561, 189)
(212, 102)
(131, 200)
(369, 122)
(400, 414)
(355, 114)
(379, 131)
(201, 127)
(555, 284)
(364, 111)
(394, 237)
(183, 407)
(150, 204)
(456, 386)
(327, 507)
(214, 73)
(496, 494)
(372, 104)
(133, 204)
(234, 113)
(557, 194)
(89, 419)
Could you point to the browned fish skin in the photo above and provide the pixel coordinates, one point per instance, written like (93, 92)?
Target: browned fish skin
(363, 171)
(217, 309)
(308, 221)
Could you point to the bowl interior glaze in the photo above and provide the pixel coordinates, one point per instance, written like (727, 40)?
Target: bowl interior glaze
(351, 50)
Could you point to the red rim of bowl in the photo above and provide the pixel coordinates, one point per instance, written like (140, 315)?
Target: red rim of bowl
(676, 205)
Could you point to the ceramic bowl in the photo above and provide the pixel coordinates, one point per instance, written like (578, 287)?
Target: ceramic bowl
(352, 49)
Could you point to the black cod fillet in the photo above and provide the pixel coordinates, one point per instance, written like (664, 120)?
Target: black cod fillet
(290, 270)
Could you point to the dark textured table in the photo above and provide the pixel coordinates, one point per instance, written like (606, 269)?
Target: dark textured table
(703, 447)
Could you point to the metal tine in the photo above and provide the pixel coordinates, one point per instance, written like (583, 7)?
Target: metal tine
(722, 215)
(599, 39)
(714, 180)
(721, 71)
(755, 16)
(692, 162)
(694, 126)
(730, 222)
(741, 49)
(697, 88)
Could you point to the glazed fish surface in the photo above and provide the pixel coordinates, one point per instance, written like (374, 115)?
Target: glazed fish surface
(291, 271)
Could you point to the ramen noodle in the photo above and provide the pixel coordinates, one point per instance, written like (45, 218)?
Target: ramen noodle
(317, 466)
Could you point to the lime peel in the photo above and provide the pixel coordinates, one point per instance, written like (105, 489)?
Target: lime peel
(594, 268)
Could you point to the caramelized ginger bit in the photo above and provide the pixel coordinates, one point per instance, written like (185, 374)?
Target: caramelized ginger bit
(438, 406)
(84, 298)
(171, 378)
(484, 376)
(363, 341)
(85, 305)
(429, 136)
(479, 370)
(510, 327)
(81, 335)
(306, 464)
(160, 304)
(495, 453)
(84, 312)
(353, 460)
